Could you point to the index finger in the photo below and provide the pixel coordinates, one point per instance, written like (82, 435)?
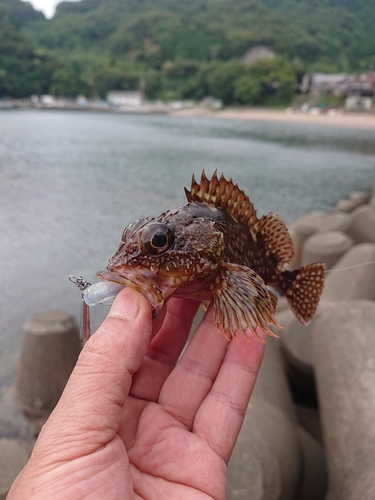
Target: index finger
(99, 384)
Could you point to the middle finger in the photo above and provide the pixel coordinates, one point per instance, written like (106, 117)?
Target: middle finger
(164, 349)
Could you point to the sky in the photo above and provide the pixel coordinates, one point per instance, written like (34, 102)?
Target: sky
(46, 6)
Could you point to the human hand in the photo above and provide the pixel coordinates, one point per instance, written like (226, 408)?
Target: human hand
(134, 421)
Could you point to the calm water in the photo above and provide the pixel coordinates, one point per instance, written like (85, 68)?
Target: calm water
(71, 181)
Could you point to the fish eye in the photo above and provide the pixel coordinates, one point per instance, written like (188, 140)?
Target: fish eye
(157, 239)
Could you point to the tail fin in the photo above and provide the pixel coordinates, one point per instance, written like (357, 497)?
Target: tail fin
(304, 291)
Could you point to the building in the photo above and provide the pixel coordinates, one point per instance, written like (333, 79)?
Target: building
(132, 98)
(317, 83)
(357, 90)
(361, 91)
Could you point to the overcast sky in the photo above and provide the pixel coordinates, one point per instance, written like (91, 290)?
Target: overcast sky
(46, 6)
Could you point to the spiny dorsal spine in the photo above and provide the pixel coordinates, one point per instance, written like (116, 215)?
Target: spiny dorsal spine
(224, 195)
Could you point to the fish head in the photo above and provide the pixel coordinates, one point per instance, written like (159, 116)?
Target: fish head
(160, 256)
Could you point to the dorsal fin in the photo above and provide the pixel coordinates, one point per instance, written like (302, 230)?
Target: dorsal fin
(225, 195)
(275, 237)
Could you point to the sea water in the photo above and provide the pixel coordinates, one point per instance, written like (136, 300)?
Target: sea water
(71, 181)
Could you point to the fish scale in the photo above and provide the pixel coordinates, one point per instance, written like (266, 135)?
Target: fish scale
(215, 249)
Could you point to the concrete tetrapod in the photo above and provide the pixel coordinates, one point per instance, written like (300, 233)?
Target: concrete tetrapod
(300, 230)
(353, 276)
(327, 246)
(338, 221)
(49, 352)
(349, 279)
(269, 461)
(345, 205)
(362, 224)
(266, 462)
(344, 359)
(14, 454)
(359, 198)
(296, 348)
(372, 197)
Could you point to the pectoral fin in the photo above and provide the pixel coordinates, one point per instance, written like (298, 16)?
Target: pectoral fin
(242, 301)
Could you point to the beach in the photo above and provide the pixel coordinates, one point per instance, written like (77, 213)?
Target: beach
(332, 118)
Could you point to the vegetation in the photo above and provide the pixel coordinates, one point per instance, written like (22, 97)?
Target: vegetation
(181, 49)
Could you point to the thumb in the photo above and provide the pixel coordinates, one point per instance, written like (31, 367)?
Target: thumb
(99, 384)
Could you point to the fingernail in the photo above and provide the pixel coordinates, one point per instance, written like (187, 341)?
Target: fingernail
(126, 304)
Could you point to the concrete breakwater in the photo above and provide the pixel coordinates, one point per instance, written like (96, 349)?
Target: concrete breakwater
(308, 432)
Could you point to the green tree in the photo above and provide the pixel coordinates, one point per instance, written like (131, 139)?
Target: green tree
(20, 65)
(115, 78)
(248, 90)
(221, 77)
(153, 81)
(267, 82)
(66, 83)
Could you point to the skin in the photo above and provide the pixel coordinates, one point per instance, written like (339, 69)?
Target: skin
(136, 423)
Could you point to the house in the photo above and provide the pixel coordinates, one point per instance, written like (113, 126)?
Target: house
(358, 90)
(361, 91)
(131, 98)
(317, 83)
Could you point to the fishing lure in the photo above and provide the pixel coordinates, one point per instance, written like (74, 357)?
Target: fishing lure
(99, 293)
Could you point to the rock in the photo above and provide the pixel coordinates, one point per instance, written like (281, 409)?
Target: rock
(326, 246)
(49, 352)
(14, 455)
(362, 224)
(349, 279)
(344, 358)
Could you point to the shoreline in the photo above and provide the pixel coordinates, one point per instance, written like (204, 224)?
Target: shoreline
(351, 120)
(333, 118)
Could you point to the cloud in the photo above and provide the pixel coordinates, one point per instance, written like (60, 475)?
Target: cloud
(46, 6)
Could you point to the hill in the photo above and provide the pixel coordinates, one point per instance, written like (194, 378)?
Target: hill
(190, 49)
(22, 68)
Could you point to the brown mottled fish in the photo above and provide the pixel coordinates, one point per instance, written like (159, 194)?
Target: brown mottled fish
(215, 249)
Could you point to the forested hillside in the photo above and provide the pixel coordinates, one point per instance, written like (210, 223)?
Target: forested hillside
(188, 49)
(22, 68)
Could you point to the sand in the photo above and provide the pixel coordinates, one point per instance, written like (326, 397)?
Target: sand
(354, 120)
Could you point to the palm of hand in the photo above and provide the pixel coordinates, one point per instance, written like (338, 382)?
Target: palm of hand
(169, 461)
(168, 424)
(133, 423)
(187, 418)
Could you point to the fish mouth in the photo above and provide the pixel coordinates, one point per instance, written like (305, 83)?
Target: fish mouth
(142, 284)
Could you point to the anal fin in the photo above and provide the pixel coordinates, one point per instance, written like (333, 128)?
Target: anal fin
(242, 301)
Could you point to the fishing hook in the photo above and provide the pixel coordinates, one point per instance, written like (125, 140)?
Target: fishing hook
(84, 332)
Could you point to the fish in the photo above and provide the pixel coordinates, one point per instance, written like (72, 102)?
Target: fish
(216, 249)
